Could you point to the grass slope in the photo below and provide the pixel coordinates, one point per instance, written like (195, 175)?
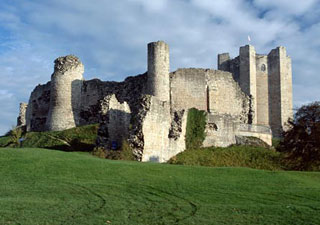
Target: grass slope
(40, 186)
(233, 156)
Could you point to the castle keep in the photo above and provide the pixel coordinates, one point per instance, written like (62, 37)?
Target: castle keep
(250, 95)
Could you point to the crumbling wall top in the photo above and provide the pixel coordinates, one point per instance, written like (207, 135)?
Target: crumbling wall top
(65, 63)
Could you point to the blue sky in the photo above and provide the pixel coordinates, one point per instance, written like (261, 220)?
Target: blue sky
(110, 37)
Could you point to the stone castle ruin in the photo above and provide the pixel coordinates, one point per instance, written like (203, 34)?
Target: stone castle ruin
(250, 95)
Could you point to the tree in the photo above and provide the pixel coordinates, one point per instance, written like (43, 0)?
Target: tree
(301, 143)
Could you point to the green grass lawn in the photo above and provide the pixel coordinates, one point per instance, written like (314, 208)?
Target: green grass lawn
(39, 186)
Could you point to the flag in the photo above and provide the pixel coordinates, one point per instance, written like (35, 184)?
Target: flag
(249, 39)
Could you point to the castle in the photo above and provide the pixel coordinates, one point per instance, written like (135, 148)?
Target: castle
(250, 95)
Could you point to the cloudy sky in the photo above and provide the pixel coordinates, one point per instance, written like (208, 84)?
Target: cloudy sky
(110, 37)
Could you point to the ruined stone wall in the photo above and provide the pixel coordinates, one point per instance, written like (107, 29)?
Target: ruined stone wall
(224, 62)
(209, 90)
(177, 142)
(114, 122)
(259, 131)
(234, 68)
(189, 89)
(65, 95)
(262, 90)
(223, 130)
(38, 108)
(152, 131)
(155, 128)
(220, 131)
(163, 132)
(226, 97)
(21, 120)
(95, 90)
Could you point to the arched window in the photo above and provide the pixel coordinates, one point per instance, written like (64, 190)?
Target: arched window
(263, 67)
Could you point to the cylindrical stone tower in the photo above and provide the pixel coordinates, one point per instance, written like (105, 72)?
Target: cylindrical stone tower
(158, 70)
(65, 95)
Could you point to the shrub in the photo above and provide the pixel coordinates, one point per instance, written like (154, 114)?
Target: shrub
(196, 123)
(125, 153)
(81, 138)
(99, 152)
(15, 135)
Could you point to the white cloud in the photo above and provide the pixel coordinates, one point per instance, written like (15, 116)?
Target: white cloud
(154, 5)
(5, 95)
(285, 7)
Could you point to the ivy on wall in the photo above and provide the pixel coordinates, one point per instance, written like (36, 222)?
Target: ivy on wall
(195, 133)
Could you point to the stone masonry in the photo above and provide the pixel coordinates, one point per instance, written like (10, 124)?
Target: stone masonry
(250, 95)
(267, 79)
(21, 120)
(65, 93)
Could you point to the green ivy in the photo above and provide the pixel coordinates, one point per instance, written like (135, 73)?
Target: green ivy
(196, 124)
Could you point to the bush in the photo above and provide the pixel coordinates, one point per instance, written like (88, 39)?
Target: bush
(99, 152)
(196, 124)
(125, 153)
(275, 142)
(15, 135)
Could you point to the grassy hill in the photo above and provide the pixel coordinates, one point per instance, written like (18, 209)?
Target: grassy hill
(39, 186)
